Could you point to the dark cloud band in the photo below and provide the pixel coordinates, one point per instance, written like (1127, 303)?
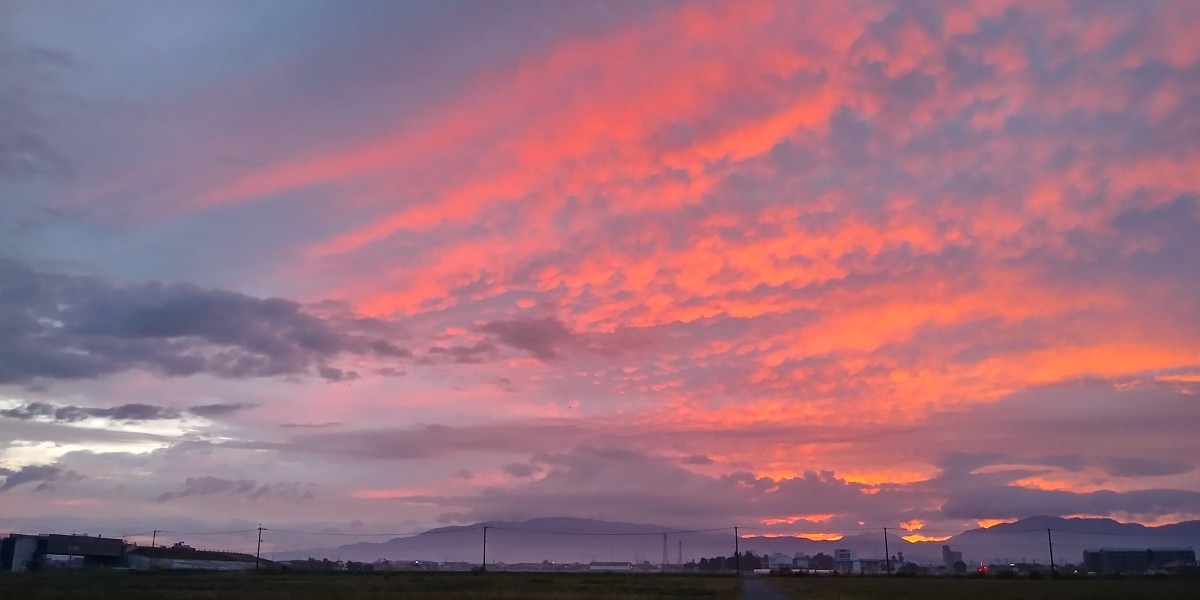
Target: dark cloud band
(67, 327)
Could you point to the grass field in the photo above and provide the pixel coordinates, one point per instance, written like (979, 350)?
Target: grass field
(365, 586)
(872, 588)
(560, 586)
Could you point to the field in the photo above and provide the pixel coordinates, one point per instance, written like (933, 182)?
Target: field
(366, 586)
(872, 588)
(560, 586)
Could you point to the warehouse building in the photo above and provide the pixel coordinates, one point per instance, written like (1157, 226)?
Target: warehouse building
(181, 557)
(20, 553)
(1112, 561)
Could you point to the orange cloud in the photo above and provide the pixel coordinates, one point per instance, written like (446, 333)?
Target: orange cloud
(815, 537)
(814, 518)
(914, 538)
(987, 523)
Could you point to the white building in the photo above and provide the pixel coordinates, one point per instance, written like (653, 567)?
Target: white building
(17, 552)
(846, 561)
(779, 560)
(610, 567)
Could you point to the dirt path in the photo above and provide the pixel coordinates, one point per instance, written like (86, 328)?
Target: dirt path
(755, 588)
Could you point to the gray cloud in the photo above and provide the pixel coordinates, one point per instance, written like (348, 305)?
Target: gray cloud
(25, 152)
(67, 327)
(248, 488)
(465, 354)
(521, 469)
(430, 440)
(614, 483)
(44, 475)
(963, 464)
(26, 155)
(334, 374)
(1004, 502)
(1142, 467)
(310, 425)
(72, 414)
(219, 409)
(540, 337)
(130, 413)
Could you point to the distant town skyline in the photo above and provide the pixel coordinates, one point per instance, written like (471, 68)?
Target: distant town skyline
(811, 267)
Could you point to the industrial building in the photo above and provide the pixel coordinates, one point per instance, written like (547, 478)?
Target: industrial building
(1112, 561)
(950, 557)
(182, 558)
(20, 553)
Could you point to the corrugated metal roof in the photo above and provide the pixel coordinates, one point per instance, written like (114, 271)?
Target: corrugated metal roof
(190, 554)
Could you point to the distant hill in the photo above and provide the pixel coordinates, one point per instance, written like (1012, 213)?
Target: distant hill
(558, 539)
(562, 539)
(1027, 539)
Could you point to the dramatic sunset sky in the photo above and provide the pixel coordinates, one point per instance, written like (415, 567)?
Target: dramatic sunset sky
(806, 267)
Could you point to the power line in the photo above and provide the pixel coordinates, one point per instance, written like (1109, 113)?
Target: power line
(1129, 534)
(786, 525)
(613, 533)
(204, 532)
(1056, 530)
(738, 530)
(376, 534)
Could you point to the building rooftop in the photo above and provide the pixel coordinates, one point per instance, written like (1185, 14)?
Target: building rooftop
(193, 554)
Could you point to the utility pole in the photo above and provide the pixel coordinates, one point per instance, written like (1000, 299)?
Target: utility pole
(484, 566)
(737, 554)
(665, 559)
(258, 551)
(681, 552)
(887, 555)
(153, 538)
(1050, 539)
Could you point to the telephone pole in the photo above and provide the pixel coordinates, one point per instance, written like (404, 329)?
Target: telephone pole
(887, 555)
(258, 550)
(737, 553)
(1050, 539)
(665, 559)
(153, 539)
(484, 566)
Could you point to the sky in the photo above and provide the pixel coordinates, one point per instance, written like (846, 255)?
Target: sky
(803, 267)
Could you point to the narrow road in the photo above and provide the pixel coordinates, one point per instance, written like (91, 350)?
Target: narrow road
(756, 588)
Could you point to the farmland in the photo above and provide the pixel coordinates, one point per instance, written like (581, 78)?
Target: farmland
(366, 586)
(872, 588)
(560, 586)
